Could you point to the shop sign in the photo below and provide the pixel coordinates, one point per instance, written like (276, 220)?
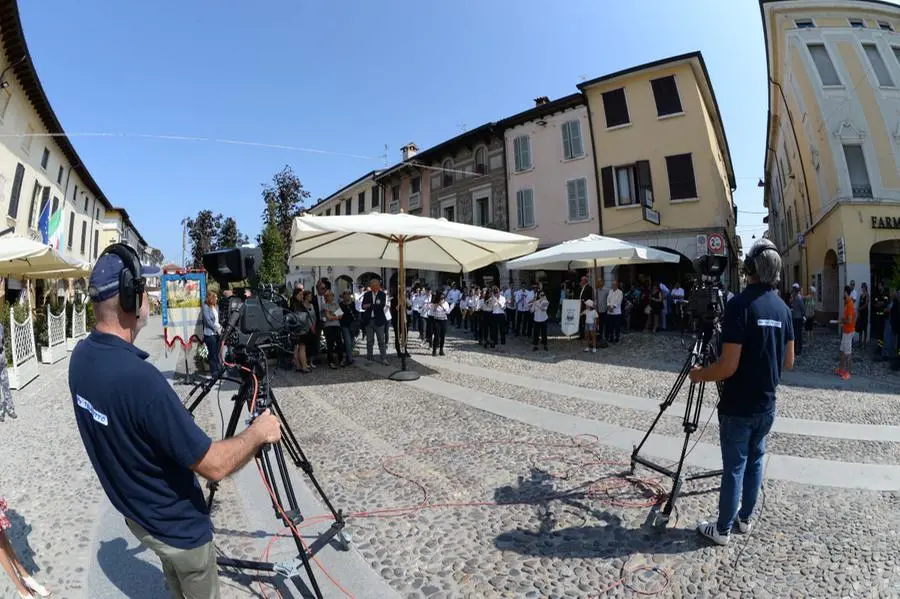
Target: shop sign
(842, 258)
(886, 222)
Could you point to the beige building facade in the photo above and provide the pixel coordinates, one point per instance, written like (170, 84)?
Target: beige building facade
(832, 166)
(40, 171)
(662, 164)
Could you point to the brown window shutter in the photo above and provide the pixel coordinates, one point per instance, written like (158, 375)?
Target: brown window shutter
(643, 180)
(609, 190)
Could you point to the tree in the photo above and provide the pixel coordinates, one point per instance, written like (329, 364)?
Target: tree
(203, 231)
(156, 256)
(229, 236)
(284, 198)
(274, 260)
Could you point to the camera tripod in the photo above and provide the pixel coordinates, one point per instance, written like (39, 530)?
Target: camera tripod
(291, 515)
(703, 352)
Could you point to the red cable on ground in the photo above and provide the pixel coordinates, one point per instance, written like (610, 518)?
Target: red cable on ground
(595, 490)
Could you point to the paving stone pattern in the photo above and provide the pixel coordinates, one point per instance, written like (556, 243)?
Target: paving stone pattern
(456, 463)
(838, 549)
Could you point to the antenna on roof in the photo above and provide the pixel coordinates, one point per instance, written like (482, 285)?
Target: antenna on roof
(462, 127)
(385, 155)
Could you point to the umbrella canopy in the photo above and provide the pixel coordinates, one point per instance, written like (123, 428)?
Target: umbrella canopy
(375, 240)
(590, 252)
(23, 257)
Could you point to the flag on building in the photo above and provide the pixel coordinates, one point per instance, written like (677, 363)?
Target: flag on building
(54, 230)
(44, 223)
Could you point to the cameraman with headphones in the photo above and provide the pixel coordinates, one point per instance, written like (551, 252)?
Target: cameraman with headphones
(757, 342)
(142, 442)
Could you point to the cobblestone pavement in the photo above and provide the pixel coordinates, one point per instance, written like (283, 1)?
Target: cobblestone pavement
(423, 473)
(810, 541)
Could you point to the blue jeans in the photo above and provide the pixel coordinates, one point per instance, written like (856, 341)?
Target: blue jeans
(212, 349)
(743, 443)
(348, 343)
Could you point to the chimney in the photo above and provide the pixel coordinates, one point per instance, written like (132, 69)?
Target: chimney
(541, 100)
(409, 150)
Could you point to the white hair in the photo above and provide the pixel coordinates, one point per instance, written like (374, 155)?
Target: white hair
(107, 310)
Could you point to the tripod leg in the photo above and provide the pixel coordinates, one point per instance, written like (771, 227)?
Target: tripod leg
(670, 398)
(229, 432)
(303, 463)
(290, 441)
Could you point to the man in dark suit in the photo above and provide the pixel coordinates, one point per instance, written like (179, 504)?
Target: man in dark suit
(322, 287)
(586, 293)
(373, 319)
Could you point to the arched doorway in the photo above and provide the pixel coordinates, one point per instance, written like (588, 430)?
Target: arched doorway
(343, 283)
(830, 294)
(363, 279)
(486, 276)
(667, 273)
(884, 261)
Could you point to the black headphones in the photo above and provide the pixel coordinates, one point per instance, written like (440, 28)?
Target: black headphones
(131, 283)
(764, 245)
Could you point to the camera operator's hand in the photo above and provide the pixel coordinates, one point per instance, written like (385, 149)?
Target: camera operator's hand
(267, 428)
(696, 376)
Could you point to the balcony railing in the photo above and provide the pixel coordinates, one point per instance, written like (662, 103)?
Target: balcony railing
(415, 201)
(394, 207)
(861, 191)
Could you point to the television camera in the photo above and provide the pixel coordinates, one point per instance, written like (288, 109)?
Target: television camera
(258, 316)
(707, 308)
(707, 299)
(259, 321)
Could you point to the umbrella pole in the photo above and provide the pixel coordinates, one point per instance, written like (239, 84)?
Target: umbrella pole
(403, 374)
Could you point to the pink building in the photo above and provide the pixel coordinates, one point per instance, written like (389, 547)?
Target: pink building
(551, 179)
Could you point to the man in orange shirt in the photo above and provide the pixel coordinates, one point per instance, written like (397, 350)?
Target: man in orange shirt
(848, 326)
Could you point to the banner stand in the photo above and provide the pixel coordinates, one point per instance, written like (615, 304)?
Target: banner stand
(182, 295)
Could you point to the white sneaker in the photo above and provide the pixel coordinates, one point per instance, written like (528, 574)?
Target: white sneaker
(708, 530)
(587, 349)
(35, 586)
(744, 527)
(593, 350)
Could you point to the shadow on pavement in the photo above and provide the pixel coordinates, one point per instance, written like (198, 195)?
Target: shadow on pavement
(18, 537)
(604, 538)
(131, 575)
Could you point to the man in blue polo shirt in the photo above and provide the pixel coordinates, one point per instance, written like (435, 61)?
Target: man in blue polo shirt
(757, 341)
(142, 442)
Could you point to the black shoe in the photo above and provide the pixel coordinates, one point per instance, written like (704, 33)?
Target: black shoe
(12, 414)
(546, 348)
(441, 352)
(434, 352)
(535, 348)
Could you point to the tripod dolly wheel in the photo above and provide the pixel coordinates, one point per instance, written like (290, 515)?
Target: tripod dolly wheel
(344, 539)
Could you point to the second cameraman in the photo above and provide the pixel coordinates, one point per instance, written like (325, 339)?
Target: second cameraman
(757, 342)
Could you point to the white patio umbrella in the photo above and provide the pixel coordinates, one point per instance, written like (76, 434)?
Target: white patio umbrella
(591, 252)
(28, 258)
(401, 241)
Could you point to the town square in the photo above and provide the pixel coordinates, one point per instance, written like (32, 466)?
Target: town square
(341, 312)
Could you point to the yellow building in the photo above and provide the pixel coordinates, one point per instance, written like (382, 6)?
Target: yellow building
(832, 163)
(662, 162)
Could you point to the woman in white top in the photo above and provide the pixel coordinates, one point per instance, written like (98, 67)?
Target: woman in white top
(423, 300)
(440, 311)
(484, 326)
(539, 309)
(498, 317)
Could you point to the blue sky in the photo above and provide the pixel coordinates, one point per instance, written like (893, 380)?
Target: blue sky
(325, 76)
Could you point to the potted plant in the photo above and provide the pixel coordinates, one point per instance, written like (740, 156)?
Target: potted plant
(201, 358)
